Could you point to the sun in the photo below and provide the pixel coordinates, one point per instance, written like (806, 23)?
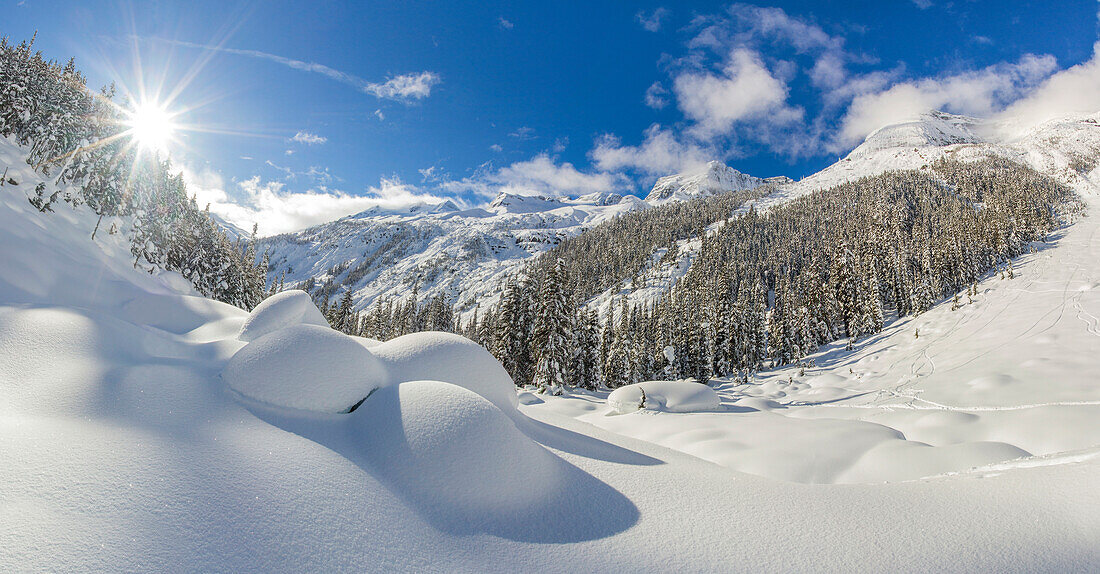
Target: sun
(151, 126)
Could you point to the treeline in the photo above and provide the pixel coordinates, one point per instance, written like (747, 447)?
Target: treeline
(387, 318)
(78, 137)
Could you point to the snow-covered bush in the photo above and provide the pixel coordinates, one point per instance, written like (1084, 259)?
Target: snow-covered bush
(279, 311)
(306, 367)
(668, 396)
(450, 358)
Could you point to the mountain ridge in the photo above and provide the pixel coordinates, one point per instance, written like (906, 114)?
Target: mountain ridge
(467, 254)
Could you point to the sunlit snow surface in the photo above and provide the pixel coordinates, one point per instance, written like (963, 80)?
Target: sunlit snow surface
(123, 448)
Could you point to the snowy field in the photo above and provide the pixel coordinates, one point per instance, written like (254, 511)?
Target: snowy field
(143, 428)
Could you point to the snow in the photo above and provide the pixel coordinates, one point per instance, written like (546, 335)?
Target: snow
(666, 396)
(281, 310)
(451, 359)
(464, 254)
(124, 450)
(1009, 376)
(306, 367)
(1049, 148)
(441, 445)
(715, 178)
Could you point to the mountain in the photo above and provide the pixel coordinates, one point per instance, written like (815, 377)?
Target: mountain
(1065, 148)
(467, 254)
(233, 232)
(931, 129)
(462, 253)
(715, 178)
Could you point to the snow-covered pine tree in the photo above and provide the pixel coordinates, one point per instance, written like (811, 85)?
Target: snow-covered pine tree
(553, 332)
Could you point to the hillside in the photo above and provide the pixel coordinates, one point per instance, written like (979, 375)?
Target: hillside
(1003, 382)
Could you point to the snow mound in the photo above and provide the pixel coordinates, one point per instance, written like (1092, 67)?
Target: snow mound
(668, 396)
(897, 460)
(305, 367)
(448, 446)
(436, 356)
(279, 311)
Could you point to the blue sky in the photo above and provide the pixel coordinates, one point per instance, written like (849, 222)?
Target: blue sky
(304, 112)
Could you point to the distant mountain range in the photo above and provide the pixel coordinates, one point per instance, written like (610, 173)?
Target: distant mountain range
(468, 253)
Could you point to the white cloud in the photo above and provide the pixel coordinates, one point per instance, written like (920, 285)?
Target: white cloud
(319, 175)
(1074, 90)
(405, 87)
(540, 175)
(497, 148)
(560, 144)
(504, 23)
(923, 4)
(751, 24)
(655, 96)
(757, 28)
(858, 85)
(378, 114)
(733, 86)
(981, 92)
(523, 133)
(661, 153)
(744, 90)
(652, 21)
(287, 172)
(431, 173)
(277, 210)
(308, 138)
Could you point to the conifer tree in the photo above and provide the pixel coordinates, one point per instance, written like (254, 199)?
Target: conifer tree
(553, 332)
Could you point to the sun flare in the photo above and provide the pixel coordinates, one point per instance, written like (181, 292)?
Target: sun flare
(151, 126)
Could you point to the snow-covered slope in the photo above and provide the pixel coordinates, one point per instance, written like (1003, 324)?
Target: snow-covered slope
(464, 254)
(1064, 148)
(125, 449)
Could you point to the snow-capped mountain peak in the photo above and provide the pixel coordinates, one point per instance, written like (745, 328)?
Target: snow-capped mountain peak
(507, 202)
(932, 128)
(715, 178)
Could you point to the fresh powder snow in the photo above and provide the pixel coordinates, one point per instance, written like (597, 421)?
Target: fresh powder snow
(144, 427)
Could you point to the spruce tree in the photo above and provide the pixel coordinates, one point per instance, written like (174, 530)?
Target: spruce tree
(553, 332)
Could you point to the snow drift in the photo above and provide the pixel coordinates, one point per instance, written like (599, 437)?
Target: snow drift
(281, 310)
(443, 444)
(435, 356)
(306, 367)
(668, 396)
